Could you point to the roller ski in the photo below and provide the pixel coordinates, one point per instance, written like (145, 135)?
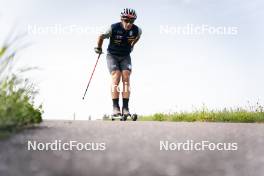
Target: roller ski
(126, 115)
(116, 114)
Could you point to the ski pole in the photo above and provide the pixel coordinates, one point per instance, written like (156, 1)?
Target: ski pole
(91, 75)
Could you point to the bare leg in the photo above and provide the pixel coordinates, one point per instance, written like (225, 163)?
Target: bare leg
(126, 91)
(116, 75)
(126, 83)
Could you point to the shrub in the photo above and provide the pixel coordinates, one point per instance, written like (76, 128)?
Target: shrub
(16, 104)
(16, 94)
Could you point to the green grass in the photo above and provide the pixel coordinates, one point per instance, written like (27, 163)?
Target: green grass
(17, 94)
(226, 115)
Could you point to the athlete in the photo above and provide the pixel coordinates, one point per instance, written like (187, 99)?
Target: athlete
(123, 37)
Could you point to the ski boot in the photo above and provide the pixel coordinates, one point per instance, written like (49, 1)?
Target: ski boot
(125, 114)
(116, 113)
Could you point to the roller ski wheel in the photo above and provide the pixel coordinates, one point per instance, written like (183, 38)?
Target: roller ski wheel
(134, 117)
(124, 117)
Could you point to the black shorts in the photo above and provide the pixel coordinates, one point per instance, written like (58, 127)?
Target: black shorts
(118, 62)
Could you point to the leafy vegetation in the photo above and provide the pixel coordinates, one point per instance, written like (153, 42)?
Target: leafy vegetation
(17, 94)
(16, 107)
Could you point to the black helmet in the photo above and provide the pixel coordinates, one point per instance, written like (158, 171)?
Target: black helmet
(129, 13)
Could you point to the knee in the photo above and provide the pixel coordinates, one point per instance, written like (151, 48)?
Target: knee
(125, 77)
(116, 75)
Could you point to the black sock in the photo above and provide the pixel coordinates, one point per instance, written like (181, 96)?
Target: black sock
(116, 102)
(125, 103)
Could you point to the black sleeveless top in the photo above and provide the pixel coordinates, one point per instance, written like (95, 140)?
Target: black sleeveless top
(120, 40)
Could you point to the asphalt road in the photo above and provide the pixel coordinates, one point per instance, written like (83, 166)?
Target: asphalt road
(133, 148)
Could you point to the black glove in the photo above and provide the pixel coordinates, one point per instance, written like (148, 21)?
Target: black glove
(98, 50)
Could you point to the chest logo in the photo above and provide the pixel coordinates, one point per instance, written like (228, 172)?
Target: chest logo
(119, 32)
(119, 37)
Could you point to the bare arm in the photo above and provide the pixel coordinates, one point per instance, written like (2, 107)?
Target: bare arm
(103, 36)
(135, 41)
(137, 38)
(100, 41)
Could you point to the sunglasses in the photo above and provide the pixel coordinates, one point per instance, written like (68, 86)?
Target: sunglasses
(131, 21)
